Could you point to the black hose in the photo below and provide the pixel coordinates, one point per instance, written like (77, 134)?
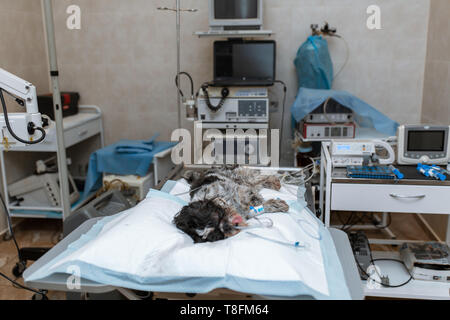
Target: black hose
(5, 114)
(178, 84)
(225, 92)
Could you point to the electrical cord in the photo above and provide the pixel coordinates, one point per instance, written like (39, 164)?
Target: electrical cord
(15, 283)
(325, 105)
(372, 262)
(5, 114)
(282, 107)
(346, 57)
(10, 228)
(386, 226)
(178, 85)
(11, 231)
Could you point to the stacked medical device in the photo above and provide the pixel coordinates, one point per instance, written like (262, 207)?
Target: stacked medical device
(331, 120)
(243, 71)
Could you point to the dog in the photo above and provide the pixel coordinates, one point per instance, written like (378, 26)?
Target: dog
(221, 200)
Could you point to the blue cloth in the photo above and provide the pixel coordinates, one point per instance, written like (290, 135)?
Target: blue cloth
(123, 158)
(314, 65)
(136, 146)
(366, 116)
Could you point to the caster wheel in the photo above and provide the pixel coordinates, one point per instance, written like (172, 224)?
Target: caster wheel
(19, 268)
(144, 295)
(39, 297)
(7, 236)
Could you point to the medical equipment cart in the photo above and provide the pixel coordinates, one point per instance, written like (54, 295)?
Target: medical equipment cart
(77, 128)
(413, 194)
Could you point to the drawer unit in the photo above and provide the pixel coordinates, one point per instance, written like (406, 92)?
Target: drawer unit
(79, 133)
(390, 198)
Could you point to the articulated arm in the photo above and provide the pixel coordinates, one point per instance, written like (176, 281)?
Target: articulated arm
(18, 129)
(21, 89)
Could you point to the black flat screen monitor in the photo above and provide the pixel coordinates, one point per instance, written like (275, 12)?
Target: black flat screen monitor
(248, 63)
(235, 9)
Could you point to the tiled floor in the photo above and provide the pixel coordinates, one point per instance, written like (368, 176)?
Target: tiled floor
(45, 233)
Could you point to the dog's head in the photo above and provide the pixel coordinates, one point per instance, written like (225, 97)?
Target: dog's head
(205, 221)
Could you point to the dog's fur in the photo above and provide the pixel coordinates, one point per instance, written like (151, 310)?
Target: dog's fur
(220, 197)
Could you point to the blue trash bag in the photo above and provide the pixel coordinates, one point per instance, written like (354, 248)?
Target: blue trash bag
(314, 65)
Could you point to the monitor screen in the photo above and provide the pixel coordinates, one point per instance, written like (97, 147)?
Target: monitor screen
(235, 9)
(253, 60)
(426, 140)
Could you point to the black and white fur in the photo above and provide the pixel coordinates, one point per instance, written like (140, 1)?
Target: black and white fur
(221, 199)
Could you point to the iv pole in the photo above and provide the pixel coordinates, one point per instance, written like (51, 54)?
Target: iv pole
(61, 153)
(178, 11)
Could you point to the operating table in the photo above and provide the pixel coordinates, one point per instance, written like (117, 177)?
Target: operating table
(59, 281)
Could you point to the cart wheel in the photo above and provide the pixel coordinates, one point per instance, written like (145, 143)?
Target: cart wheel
(19, 269)
(7, 236)
(38, 296)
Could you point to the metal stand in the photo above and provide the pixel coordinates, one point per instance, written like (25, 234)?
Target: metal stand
(32, 254)
(178, 11)
(61, 154)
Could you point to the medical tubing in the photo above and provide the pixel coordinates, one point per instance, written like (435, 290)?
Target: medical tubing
(212, 107)
(190, 80)
(5, 114)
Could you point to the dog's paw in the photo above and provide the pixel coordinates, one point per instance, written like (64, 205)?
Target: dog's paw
(276, 205)
(273, 183)
(191, 176)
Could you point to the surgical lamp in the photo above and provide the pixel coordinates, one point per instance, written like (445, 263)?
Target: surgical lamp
(19, 129)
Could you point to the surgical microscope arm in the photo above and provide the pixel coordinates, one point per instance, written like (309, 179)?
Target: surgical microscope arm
(19, 129)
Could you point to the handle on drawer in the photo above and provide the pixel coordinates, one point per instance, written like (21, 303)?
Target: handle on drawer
(399, 196)
(82, 133)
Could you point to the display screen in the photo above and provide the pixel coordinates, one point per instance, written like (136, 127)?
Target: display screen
(235, 9)
(244, 61)
(426, 140)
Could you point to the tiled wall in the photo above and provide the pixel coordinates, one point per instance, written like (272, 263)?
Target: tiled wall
(22, 52)
(436, 92)
(123, 58)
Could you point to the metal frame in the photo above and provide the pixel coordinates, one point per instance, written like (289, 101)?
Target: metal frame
(326, 180)
(43, 209)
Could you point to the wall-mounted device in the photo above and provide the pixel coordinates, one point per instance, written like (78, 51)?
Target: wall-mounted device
(235, 14)
(242, 105)
(42, 190)
(426, 144)
(359, 152)
(322, 131)
(244, 63)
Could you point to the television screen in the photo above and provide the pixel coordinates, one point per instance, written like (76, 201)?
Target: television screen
(244, 61)
(235, 9)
